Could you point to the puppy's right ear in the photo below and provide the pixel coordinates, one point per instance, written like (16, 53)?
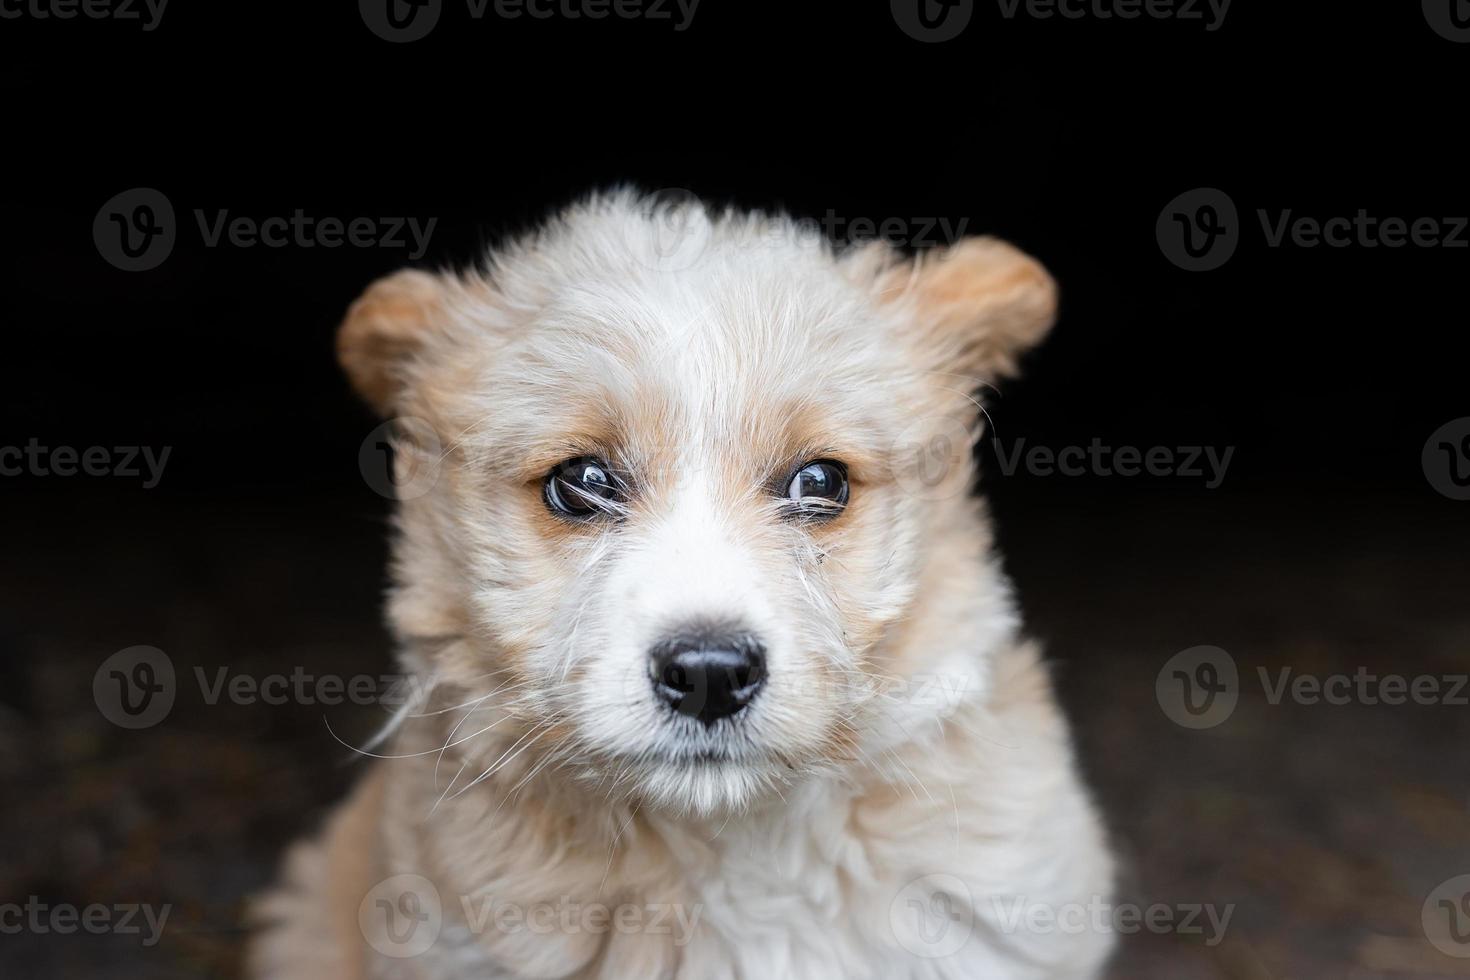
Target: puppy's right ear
(384, 329)
(976, 306)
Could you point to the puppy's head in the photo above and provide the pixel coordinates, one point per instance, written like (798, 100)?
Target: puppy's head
(688, 520)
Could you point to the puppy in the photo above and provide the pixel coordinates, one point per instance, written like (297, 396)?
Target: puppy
(717, 674)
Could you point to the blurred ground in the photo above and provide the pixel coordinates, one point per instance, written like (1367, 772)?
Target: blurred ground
(1323, 826)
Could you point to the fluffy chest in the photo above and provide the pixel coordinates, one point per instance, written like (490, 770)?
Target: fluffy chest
(804, 893)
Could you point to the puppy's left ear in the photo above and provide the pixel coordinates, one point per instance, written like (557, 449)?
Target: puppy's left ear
(976, 306)
(384, 329)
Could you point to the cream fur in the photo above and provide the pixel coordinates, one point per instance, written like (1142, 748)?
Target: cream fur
(904, 773)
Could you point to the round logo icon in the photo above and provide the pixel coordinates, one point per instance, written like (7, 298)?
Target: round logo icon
(933, 21)
(929, 458)
(1199, 230)
(681, 230)
(1450, 19)
(1446, 917)
(401, 458)
(1446, 459)
(401, 916)
(134, 688)
(1198, 687)
(135, 230)
(932, 917)
(400, 21)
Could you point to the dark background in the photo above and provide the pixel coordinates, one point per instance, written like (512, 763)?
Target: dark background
(1326, 548)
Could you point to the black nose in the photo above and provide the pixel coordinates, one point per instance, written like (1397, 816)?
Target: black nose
(708, 676)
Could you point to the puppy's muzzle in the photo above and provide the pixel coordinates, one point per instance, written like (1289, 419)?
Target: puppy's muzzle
(708, 674)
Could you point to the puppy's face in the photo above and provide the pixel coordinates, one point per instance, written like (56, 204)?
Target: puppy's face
(681, 510)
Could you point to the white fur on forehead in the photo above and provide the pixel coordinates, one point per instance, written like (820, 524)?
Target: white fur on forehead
(650, 240)
(605, 301)
(644, 269)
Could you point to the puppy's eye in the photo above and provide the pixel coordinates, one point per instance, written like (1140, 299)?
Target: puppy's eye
(582, 487)
(819, 489)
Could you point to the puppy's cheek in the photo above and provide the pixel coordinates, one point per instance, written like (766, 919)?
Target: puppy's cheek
(610, 702)
(803, 700)
(529, 580)
(869, 581)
